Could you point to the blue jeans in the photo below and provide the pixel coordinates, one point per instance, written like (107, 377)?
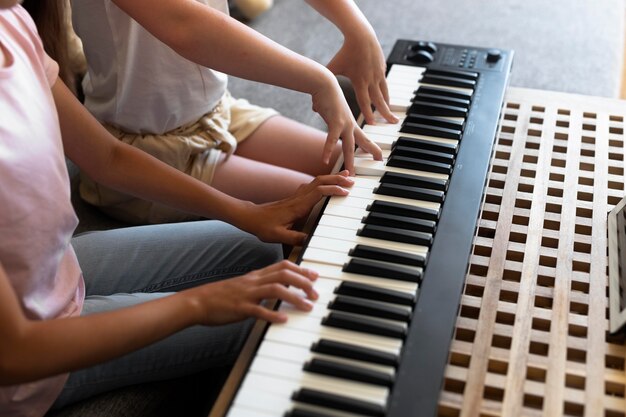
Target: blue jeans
(124, 267)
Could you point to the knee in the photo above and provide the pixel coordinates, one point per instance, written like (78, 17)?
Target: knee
(270, 253)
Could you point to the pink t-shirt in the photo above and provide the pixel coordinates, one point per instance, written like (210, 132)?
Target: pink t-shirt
(36, 216)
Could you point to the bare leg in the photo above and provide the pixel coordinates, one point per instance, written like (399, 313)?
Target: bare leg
(255, 181)
(289, 144)
(274, 161)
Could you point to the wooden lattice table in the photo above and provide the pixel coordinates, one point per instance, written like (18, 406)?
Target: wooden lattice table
(531, 337)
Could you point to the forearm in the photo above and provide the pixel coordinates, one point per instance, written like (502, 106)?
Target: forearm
(217, 41)
(344, 14)
(32, 350)
(166, 185)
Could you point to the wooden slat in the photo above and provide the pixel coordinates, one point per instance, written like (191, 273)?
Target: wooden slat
(531, 329)
(597, 287)
(488, 308)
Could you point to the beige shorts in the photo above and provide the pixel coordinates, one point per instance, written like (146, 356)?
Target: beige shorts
(195, 149)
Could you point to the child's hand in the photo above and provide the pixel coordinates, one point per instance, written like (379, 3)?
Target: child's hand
(361, 60)
(236, 299)
(271, 222)
(330, 104)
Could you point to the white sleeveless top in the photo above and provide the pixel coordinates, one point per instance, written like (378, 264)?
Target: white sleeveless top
(136, 82)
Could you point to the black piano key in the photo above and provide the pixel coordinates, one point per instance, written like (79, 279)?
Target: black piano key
(410, 180)
(413, 193)
(430, 78)
(364, 325)
(382, 269)
(300, 412)
(469, 75)
(422, 129)
(435, 109)
(419, 164)
(396, 235)
(401, 222)
(400, 209)
(448, 101)
(360, 353)
(463, 95)
(357, 289)
(450, 148)
(434, 121)
(346, 371)
(338, 402)
(387, 255)
(369, 308)
(442, 157)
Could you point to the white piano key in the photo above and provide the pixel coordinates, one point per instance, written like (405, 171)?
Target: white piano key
(360, 153)
(333, 244)
(366, 182)
(400, 90)
(363, 181)
(238, 411)
(296, 332)
(299, 354)
(396, 74)
(325, 256)
(383, 141)
(354, 225)
(340, 222)
(257, 385)
(448, 88)
(345, 235)
(321, 309)
(324, 287)
(275, 350)
(345, 211)
(360, 202)
(374, 133)
(404, 71)
(379, 119)
(364, 166)
(392, 130)
(330, 257)
(404, 83)
(369, 195)
(256, 399)
(399, 103)
(339, 259)
(294, 372)
(382, 129)
(335, 272)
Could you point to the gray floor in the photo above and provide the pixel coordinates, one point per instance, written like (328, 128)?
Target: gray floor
(565, 45)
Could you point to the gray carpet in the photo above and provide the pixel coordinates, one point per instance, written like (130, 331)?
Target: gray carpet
(573, 46)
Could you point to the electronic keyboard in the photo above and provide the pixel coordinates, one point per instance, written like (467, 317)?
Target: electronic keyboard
(392, 256)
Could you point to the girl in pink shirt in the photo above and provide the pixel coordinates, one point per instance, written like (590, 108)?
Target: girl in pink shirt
(68, 304)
